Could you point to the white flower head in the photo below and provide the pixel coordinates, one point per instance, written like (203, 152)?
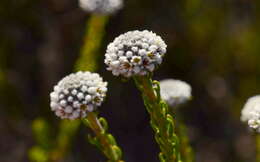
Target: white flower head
(175, 92)
(101, 6)
(77, 94)
(135, 53)
(251, 113)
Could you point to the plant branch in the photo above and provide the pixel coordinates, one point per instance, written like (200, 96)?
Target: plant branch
(95, 30)
(103, 140)
(161, 120)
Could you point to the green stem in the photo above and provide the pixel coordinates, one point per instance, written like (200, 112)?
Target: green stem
(187, 153)
(103, 140)
(185, 148)
(94, 34)
(161, 120)
(257, 147)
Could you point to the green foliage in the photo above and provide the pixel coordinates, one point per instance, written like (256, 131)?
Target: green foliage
(186, 150)
(38, 154)
(41, 131)
(95, 30)
(67, 131)
(161, 121)
(49, 147)
(103, 140)
(104, 123)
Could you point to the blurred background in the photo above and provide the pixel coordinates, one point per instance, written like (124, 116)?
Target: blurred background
(212, 44)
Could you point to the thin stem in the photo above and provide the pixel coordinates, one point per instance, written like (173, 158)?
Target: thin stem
(257, 136)
(103, 140)
(95, 30)
(185, 148)
(161, 120)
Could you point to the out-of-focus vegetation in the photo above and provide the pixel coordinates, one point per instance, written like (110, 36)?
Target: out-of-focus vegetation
(213, 44)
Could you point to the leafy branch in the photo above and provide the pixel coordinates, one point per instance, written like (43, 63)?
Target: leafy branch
(104, 141)
(161, 120)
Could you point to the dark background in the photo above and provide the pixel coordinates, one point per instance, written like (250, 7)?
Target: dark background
(212, 44)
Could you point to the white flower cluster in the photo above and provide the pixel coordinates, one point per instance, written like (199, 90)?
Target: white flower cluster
(135, 53)
(251, 113)
(101, 6)
(175, 92)
(77, 94)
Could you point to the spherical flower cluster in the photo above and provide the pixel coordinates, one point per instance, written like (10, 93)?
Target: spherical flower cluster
(135, 53)
(175, 92)
(77, 94)
(251, 113)
(101, 6)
